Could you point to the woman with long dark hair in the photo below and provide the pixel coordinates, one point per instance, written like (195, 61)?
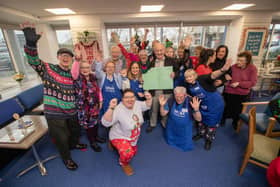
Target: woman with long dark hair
(207, 56)
(221, 58)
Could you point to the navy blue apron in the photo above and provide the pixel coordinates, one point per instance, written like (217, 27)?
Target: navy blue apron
(110, 90)
(180, 80)
(137, 87)
(211, 106)
(178, 132)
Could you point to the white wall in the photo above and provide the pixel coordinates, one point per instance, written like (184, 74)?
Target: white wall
(89, 23)
(48, 44)
(233, 36)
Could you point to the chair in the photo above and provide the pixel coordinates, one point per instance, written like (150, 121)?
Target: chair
(264, 122)
(261, 150)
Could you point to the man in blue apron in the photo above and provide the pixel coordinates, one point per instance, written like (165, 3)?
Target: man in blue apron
(180, 109)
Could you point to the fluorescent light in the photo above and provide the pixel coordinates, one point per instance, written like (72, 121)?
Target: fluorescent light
(238, 6)
(151, 8)
(60, 11)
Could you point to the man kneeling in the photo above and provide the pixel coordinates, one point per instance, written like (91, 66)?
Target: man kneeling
(180, 108)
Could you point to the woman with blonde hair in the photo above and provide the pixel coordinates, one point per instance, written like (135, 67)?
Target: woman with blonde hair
(88, 100)
(212, 104)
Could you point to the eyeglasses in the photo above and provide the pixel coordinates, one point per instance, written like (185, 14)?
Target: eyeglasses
(128, 97)
(66, 55)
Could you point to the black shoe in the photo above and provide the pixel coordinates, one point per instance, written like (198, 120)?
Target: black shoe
(70, 164)
(96, 147)
(207, 145)
(234, 125)
(149, 129)
(197, 137)
(79, 146)
(223, 122)
(100, 140)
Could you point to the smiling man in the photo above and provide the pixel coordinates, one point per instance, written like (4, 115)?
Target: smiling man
(59, 106)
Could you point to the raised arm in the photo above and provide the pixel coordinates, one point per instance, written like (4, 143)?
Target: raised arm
(219, 72)
(109, 118)
(75, 70)
(99, 73)
(123, 50)
(162, 103)
(144, 42)
(195, 102)
(30, 48)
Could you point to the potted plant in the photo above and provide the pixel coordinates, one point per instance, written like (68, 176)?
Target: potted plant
(18, 76)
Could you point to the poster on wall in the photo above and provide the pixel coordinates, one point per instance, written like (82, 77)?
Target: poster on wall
(253, 39)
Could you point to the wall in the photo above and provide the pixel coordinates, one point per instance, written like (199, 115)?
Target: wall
(89, 23)
(233, 37)
(47, 45)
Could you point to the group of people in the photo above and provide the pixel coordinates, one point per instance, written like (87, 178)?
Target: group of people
(207, 90)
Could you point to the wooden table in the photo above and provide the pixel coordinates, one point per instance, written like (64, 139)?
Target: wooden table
(39, 129)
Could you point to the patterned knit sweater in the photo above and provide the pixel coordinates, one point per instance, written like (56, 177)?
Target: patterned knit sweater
(58, 87)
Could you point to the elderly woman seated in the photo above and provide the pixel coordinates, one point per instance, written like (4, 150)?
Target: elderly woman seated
(180, 110)
(126, 119)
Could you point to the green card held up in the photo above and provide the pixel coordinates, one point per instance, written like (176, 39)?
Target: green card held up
(158, 78)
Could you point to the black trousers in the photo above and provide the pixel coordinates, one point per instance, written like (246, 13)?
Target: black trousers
(65, 134)
(92, 133)
(233, 106)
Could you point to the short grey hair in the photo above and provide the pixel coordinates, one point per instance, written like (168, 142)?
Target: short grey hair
(180, 90)
(115, 47)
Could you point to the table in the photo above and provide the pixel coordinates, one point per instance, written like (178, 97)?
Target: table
(39, 128)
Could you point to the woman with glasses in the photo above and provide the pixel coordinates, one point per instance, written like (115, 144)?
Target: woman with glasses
(125, 120)
(88, 100)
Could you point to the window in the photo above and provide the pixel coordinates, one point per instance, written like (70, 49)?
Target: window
(196, 32)
(170, 34)
(208, 36)
(6, 66)
(214, 36)
(124, 36)
(273, 42)
(64, 39)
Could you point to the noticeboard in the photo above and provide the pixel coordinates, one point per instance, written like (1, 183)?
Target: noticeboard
(254, 40)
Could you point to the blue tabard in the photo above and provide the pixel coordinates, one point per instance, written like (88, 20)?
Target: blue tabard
(211, 106)
(110, 90)
(178, 132)
(180, 80)
(137, 87)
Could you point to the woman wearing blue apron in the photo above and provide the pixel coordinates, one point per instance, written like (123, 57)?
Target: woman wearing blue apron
(137, 88)
(212, 103)
(110, 90)
(110, 84)
(134, 76)
(178, 132)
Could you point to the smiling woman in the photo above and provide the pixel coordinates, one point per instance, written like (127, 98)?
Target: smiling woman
(126, 120)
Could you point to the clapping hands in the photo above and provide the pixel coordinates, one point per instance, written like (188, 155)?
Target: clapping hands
(195, 103)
